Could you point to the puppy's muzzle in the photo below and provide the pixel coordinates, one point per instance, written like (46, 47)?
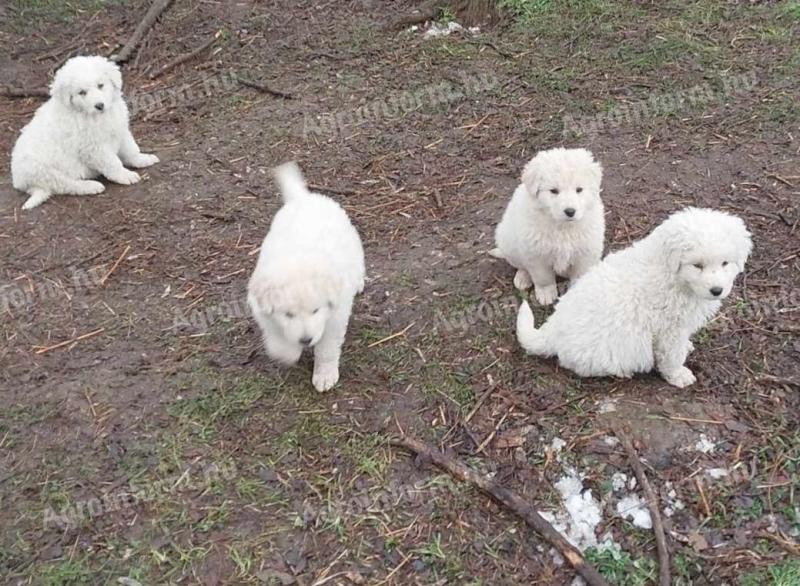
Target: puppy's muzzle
(716, 291)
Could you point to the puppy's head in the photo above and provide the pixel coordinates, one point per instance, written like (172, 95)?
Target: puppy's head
(564, 182)
(706, 249)
(297, 300)
(87, 84)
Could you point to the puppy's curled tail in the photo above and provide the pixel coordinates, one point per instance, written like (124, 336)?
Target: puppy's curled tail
(290, 181)
(531, 339)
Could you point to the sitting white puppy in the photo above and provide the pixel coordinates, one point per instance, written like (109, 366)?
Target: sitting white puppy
(81, 132)
(554, 224)
(638, 308)
(310, 268)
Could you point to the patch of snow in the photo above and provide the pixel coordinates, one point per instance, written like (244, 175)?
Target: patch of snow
(618, 481)
(717, 473)
(577, 523)
(611, 441)
(608, 406)
(634, 508)
(704, 445)
(440, 30)
(674, 504)
(557, 445)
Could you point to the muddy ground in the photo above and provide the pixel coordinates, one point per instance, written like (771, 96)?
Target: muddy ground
(143, 433)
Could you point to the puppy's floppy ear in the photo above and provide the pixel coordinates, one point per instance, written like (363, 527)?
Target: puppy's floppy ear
(531, 176)
(595, 171)
(676, 242)
(61, 89)
(114, 74)
(743, 240)
(260, 296)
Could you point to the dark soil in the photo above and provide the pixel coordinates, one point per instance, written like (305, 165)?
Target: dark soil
(261, 478)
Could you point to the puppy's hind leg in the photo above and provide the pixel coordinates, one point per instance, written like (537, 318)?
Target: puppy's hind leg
(37, 196)
(84, 187)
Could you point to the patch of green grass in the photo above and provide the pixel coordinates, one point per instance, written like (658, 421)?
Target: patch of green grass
(70, 572)
(619, 568)
(783, 574)
(221, 402)
(242, 558)
(790, 9)
(369, 454)
(446, 16)
(432, 551)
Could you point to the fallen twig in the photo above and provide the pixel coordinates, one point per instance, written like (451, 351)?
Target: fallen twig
(156, 8)
(185, 57)
(335, 190)
(652, 504)
(511, 500)
(18, 92)
(43, 349)
(257, 85)
(426, 12)
(392, 337)
(114, 266)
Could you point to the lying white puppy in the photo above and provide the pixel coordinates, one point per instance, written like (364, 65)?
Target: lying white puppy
(638, 308)
(554, 224)
(81, 132)
(310, 268)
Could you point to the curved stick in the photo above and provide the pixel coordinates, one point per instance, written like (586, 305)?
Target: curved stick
(511, 500)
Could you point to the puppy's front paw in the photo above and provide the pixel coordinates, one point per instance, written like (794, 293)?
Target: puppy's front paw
(126, 177)
(546, 295)
(522, 280)
(325, 376)
(683, 377)
(144, 160)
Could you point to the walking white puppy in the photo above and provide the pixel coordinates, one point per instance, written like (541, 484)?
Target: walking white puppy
(310, 268)
(637, 309)
(554, 224)
(80, 133)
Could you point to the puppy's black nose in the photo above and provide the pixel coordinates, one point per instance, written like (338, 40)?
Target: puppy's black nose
(716, 291)
(569, 211)
(305, 341)
(100, 106)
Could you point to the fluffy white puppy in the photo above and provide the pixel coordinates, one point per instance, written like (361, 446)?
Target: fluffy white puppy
(310, 268)
(554, 224)
(637, 309)
(80, 133)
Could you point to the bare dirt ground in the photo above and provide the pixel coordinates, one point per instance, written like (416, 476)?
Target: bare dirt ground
(144, 435)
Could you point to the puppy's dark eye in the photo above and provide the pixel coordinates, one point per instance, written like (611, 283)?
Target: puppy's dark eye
(554, 191)
(289, 314)
(316, 310)
(100, 86)
(579, 189)
(698, 265)
(725, 263)
(82, 93)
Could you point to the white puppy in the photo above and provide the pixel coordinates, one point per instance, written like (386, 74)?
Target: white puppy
(554, 224)
(310, 268)
(80, 133)
(638, 308)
